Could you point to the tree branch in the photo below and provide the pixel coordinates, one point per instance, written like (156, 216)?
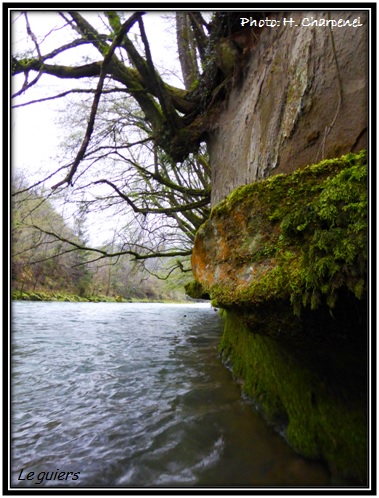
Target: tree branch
(107, 59)
(170, 210)
(105, 254)
(68, 92)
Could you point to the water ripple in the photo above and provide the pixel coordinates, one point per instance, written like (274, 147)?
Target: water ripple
(134, 395)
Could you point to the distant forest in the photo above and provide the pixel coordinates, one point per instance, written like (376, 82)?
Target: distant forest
(47, 267)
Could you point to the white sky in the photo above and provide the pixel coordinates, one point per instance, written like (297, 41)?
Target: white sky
(36, 137)
(35, 134)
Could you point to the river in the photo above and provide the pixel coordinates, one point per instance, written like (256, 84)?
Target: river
(134, 395)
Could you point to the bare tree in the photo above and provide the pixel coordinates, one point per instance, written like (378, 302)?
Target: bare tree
(142, 140)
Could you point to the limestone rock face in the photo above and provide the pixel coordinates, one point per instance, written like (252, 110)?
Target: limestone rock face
(302, 99)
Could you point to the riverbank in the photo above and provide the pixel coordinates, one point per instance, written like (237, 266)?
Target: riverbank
(18, 295)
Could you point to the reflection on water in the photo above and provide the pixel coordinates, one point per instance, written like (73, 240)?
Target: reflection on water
(134, 395)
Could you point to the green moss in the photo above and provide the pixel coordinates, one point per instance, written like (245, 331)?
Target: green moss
(195, 290)
(309, 229)
(45, 296)
(20, 295)
(316, 422)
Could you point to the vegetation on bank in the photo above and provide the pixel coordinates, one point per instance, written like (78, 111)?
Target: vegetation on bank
(46, 268)
(74, 298)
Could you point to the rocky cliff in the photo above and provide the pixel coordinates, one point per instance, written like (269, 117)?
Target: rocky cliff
(284, 251)
(286, 259)
(299, 97)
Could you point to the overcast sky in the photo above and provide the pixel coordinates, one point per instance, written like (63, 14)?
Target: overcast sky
(35, 133)
(36, 136)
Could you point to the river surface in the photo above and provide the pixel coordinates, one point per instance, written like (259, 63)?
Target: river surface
(134, 395)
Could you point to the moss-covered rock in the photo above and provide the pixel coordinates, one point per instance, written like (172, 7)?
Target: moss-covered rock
(320, 417)
(286, 258)
(195, 290)
(300, 237)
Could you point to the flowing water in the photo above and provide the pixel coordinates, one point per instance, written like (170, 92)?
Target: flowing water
(134, 395)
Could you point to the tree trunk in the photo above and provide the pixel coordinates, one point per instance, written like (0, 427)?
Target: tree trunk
(186, 49)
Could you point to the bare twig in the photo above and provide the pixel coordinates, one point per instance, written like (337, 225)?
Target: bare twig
(105, 254)
(107, 59)
(63, 94)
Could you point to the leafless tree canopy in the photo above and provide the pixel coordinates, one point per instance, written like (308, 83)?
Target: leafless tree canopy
(140, 143)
